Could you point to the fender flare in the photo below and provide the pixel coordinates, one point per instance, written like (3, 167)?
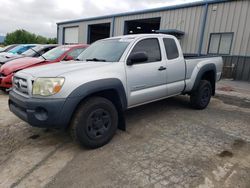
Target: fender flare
(204, 69)
(92, 87)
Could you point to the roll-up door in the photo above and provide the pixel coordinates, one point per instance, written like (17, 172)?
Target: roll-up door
(71, 35)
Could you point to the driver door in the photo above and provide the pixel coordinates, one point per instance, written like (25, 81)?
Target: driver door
(146, 81)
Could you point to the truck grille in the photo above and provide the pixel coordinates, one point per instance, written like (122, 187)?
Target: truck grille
(21, 85)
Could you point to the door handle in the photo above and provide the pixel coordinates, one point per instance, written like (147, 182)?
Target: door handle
(161, 68)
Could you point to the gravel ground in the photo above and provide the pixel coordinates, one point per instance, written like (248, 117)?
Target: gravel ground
(166, 144)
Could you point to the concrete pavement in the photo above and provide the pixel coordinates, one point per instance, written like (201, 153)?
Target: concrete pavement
(167, 144)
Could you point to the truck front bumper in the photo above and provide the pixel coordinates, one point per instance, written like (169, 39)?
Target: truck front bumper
(44, 113)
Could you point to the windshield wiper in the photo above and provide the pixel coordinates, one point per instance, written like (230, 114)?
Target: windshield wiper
(96, 59)
(38, 53)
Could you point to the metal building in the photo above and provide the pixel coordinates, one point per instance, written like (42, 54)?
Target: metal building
(212, 27)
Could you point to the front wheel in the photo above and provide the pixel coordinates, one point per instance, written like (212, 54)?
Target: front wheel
(95, 122)
(200, 98)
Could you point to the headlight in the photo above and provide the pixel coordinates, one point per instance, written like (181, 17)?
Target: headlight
(47, 86)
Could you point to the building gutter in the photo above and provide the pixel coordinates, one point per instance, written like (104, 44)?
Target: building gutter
(203, 26)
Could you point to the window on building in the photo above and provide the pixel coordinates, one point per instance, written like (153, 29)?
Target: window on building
(151, 47)
(220, 43)
(171, 48)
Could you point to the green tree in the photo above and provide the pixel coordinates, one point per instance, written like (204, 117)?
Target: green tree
(22, 36)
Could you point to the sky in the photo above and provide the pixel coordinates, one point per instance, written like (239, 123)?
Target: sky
(40, 16)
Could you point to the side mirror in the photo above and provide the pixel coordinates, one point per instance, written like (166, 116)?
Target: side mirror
(138, 57)
(68, 58)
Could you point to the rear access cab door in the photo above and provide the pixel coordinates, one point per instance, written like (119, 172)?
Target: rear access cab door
(176, 66)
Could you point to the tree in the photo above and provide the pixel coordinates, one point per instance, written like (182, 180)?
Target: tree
(22, 36)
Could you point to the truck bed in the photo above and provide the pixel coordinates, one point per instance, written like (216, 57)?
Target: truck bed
(194, 63)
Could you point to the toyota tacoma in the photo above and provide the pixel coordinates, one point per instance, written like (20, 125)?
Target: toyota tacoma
(88, 96)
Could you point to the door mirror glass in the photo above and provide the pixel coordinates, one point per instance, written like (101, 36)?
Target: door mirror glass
(137, 57)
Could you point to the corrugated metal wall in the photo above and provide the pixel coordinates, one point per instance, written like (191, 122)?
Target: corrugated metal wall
(185, 19)
(237, 67)
(233, 16)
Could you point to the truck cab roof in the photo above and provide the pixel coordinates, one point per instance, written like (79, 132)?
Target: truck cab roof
(138, 36)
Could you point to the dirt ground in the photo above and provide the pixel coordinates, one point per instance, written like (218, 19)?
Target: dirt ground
(167, 144)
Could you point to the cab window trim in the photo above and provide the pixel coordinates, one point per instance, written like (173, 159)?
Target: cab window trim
(178, 51)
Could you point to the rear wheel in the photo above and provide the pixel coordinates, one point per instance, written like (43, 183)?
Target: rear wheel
(200, 98)
(95, 122)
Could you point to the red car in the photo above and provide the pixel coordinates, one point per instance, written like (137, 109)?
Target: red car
(61, 53)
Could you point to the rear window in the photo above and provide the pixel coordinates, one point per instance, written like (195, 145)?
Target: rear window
(171, 48)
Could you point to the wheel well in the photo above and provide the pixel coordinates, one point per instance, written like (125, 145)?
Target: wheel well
(113, 96)
(109, 94)
(210, 76)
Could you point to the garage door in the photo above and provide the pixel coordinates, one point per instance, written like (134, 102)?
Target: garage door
(98, 31)
(71, 35)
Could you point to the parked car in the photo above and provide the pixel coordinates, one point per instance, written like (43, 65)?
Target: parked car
(7, 48)
(115, 74)
(32, 52)
(16, 51)
(61, 53)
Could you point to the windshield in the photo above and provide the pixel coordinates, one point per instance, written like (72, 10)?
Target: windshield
(32, 51)
(6, 48)
(109, 50)
(20, 49)
(55, 53)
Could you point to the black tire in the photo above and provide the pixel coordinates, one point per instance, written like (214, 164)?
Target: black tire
(95, 122)
(200, 98)
(4, 90)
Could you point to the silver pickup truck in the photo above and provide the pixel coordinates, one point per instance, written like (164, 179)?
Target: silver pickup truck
(89, 95)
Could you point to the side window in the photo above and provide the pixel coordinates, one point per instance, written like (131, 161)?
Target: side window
(43, 51)
(171, 48)
(76, 52)
(37, 55)
(151, 47)
(23, 49)
(47, 49)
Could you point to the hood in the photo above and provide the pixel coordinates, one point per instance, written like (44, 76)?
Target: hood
(2, 59)
(19, 64)
(58, 69)
(9, 55)
(5, 57)
(5, 60)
